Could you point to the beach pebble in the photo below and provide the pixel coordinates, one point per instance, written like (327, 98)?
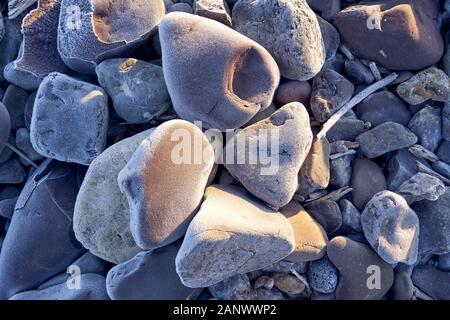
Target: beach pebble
(327, 213)
(446, 121)
(327, 9)
(90, 32)
(357, 72)
(401, 167)
(323, 276)
(426, 124)
(213, 9)
(444, 151)
(432, 281)
(429, 84)
(330, 91)
(382, 107)
(391, 227)
(14, 100)
(220, 242)
(180, 7)
(351, 217)
(310, 237)
(331, 38)
(136, 87)
(288, 283)
(293, 91)
(421, 186)
(444, 262)
(238, 78)
(70, 119)
(434, 218)
(236, 287)
(28, 109)
(23, 143)
(366, 170)
(346, 129)
(167, 152)
(341, 170)
(403, 288)
(43, 211)
(39, 55)
(139, 277)
(11, 172)
(379, 140)
(275, 182)
(291, 34)
(5, 126)
(363, 275)
(10, 44)
(264, 282)
(441, 168)
(386, 32)
(315, 171)
(102, 215)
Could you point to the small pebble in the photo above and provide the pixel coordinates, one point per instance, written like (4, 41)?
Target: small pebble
(323, 276)
(426, 124)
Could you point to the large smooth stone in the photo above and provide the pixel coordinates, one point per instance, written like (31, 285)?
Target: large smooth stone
(432, 281)
(291, 33)
(70, 119)
(102, 215)
(434, 217)
(397, 34)
(150, 275)
(382, 107)
(391, 227)
(357, 263)
(136, 87)
(214, 74)
(388, 136)
(91, 31)
(269, 171)
(39, 55)
(310, 238)
(365, 170)
(40, 242)
(330, 91)
(429, 84)
(5, 126)
(231, 234)
(426, 124)
(164, 182)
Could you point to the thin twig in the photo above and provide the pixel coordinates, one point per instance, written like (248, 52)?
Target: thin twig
(424, 169)
(422, 153)
(346, 52)
(22, 155)
(301, 278)
(354, 101)
(334, 195)
(376, 73)
(342, 154)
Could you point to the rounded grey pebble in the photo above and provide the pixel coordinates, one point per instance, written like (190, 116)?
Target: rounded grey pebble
(323, 275)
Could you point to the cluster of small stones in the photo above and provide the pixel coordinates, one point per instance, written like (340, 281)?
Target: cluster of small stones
(93, 92)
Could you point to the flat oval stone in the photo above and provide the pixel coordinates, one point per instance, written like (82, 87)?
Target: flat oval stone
(380, 140)
(136, 87)
(70, 119)
(382, 107)
(310, 237)
(231, 234)
(391, 227)
(238, 76)
(295, 39)
(327, 213)
(91, 31)
(271, 177)
(358, 266)
(386, 32)
(174, 162)
(366, 170)
(101, 219)
(150, 275)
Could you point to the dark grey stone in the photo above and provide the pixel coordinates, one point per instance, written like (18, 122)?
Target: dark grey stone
(426, 124)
